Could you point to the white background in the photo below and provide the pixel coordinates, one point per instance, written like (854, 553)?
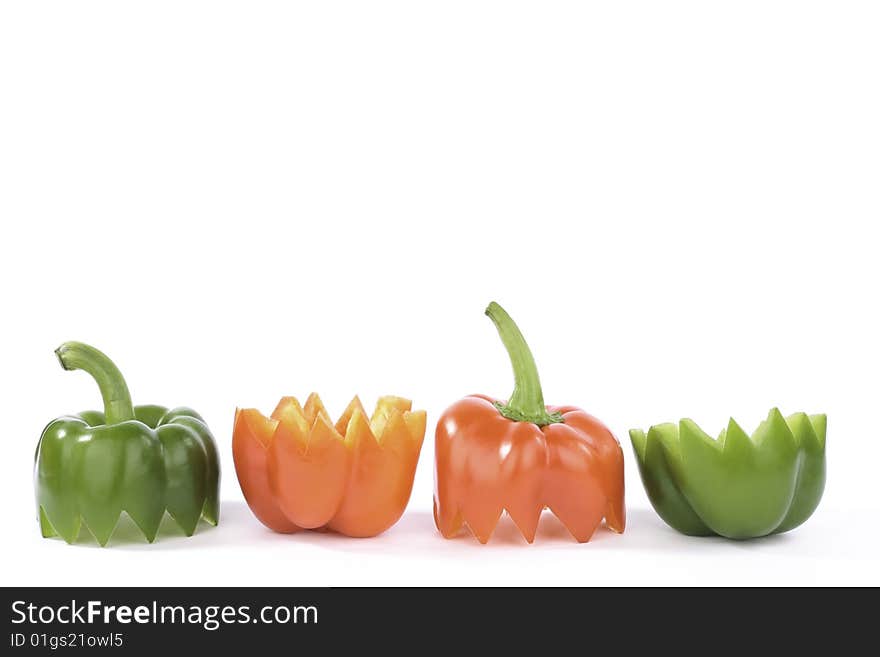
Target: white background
(677, 202)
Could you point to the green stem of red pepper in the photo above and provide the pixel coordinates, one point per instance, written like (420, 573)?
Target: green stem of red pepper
(117, 400)
(526, 404)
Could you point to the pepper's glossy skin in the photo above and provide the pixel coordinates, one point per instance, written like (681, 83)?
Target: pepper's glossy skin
(486, 463)
(737, 487)
(144, 460)
(88, 471)
(298, 470)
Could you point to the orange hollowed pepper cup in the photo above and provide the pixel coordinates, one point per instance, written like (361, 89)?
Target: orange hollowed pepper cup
(523, 457)
(299, 470)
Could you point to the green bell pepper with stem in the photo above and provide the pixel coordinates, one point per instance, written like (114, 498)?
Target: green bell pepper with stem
(737, 486)
(144, 460)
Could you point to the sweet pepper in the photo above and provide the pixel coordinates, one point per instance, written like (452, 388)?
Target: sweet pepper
(144, 460)
(522, 456)
(299, 470)
(737, 486)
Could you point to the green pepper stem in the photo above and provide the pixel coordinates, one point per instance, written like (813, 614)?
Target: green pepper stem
(117, 400)
(526, 404)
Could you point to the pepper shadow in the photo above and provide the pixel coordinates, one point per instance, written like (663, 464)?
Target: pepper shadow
(416, 535)
(645, 531)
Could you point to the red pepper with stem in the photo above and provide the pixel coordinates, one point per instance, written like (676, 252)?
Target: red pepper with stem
(522, 456)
